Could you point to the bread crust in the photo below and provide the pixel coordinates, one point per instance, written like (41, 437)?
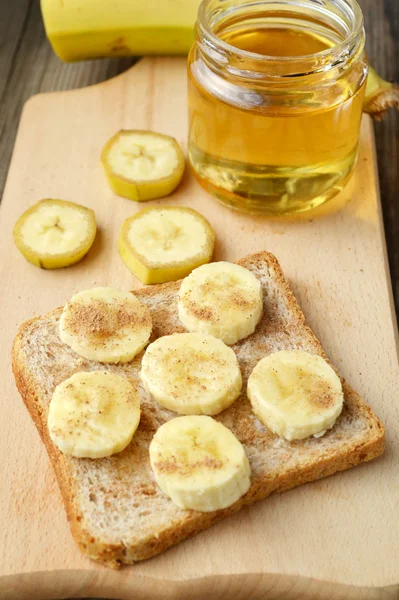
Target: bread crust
(369, 445)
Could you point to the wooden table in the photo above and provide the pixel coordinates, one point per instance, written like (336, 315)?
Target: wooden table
(29, 66)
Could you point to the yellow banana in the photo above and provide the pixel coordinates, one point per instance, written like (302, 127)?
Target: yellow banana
(83, 29)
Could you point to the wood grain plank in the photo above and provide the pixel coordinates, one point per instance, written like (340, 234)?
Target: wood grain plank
(51, 586)
(13, 22)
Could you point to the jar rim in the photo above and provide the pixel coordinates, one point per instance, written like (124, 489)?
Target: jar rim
(336, 49)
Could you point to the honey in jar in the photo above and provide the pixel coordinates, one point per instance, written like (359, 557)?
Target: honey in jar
(275, 101)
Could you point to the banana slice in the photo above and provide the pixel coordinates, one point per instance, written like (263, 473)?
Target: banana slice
(93, 414)
(142, 165)
(160, 244)
(191, 373)
(55, 233)
(295, 394)
(221, 299)
(106, 325)
(199, 463)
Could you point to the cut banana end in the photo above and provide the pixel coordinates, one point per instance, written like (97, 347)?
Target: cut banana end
(221, 299)
(160, 244)
(199, 463)
(380, 96)
(55, 233)
(191, 373)
(142, 165)
(295, 394)
(92, 415)
(106, 325)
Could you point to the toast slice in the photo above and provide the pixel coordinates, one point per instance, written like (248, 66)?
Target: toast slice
(117, 513)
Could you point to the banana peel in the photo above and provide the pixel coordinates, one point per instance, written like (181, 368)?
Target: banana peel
(85, 29)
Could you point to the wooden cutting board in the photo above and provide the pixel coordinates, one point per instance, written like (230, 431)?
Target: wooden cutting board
(343, 530)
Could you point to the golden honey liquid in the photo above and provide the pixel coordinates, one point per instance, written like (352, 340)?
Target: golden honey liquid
(281, 159)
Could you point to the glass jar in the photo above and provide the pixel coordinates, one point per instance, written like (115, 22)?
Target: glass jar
(275, 92)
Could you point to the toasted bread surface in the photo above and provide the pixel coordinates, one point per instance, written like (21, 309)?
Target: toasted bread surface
(117, 513)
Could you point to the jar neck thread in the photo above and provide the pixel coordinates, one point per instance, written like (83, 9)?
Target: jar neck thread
(342, 18)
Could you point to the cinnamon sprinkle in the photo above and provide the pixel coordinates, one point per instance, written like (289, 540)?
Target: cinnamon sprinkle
(171, 466)
(100, 319)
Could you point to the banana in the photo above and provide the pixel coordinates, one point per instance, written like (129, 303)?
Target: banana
(106, 325)
(82, 29)
(92, 415)
(54, 233)
(221, 299)
(142, 165)
(380, 96)
(295, 394)
(199, 463)
(160, 244)
(191, 373)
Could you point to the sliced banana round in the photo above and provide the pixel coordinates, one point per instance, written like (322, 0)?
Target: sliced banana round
(199, 463)
(221, 299)
(160, 244)
(54, 233)
(295, 394)
(106, 325)
(142, 165)
(191, 373)
(94, 414)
